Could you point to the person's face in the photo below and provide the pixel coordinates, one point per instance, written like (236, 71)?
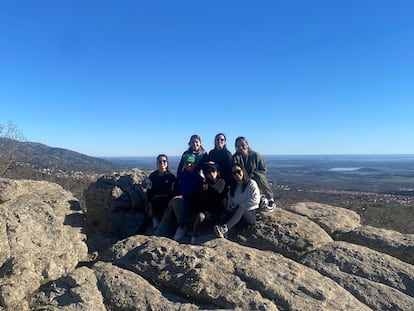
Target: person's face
(195, 144)
(189, 166)
(211, 174)
(220, 142)
(237, 173)
(242, 147)
(162, 164)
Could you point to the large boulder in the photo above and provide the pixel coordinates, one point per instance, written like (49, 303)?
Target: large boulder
(387, 241)
(41, 237)
(283, 232)
(334, 220)
(115, 204)
(224, 274)
(378, 280)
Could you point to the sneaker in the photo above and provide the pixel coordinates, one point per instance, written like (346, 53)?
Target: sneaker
(180, 233)
(270, 206)
(221, 231)
(263, 203)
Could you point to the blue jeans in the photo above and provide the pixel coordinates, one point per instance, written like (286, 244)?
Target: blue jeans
(179, 212)
(183, 211)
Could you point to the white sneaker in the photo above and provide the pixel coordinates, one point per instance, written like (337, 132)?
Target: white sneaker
(180, 233)
(271, 206)
(263, 203)
(221, 231)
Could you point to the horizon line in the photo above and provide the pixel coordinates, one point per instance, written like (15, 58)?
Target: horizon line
(280, 154)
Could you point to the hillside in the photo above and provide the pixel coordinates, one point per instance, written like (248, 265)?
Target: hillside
(40, 156)
(30, 160)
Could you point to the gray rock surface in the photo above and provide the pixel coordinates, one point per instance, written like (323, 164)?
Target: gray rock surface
(387, 241)
(333, 220)
(116, 203)
(42, 239)
(379, 280)
(284, 232)
(292, 259)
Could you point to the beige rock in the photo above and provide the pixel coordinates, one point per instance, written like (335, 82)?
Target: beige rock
(41, 229)
(228, 275)
(284, 232)
(332, 219)
(379, 280)
(387, 241)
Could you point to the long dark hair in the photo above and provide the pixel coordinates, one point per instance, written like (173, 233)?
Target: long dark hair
(245, 180)
(195, 136)
(163, 156)
(225, 140)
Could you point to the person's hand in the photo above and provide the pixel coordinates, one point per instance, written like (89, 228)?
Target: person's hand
(229, 207)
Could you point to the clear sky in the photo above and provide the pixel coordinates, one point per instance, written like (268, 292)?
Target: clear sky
(138, 78)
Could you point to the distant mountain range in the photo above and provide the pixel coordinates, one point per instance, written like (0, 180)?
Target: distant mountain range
(41, 157)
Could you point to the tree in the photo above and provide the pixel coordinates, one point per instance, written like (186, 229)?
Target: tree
(10, 130)
(7, 155)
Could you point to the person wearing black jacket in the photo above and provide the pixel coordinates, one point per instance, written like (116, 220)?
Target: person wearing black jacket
(160, 190)
(210, 196)
(222, 157)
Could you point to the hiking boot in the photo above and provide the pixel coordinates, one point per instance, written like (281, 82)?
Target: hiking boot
(180, 233)
(221, 231)
(270, 206)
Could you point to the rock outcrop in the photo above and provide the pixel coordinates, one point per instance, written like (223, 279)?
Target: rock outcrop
(41, 237)
(115, 203)
(307, 256)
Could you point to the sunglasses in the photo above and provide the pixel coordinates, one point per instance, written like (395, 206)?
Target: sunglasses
(237, 172)
(162, 161)
(220, 139)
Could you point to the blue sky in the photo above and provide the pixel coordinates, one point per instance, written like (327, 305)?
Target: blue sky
(138, 78)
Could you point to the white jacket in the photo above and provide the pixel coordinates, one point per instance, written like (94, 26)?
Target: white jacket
(248, 199)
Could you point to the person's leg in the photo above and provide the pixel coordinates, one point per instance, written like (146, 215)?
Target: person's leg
(198, 221)
(182, 210)
(264, 186)
(167, 225)
(159, 206)
(249, 216)
(235, 218)
(268, 202)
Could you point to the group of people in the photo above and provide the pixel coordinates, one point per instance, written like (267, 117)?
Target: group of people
(217, 186)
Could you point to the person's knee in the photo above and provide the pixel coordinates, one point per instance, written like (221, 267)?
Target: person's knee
(176, 203)
(201, 217)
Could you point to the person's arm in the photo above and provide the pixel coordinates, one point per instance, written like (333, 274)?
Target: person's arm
(252, 194)
(180, 164)
(218, 186)
(230, 205)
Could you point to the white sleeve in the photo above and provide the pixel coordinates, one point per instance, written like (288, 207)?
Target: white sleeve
(252, 194)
